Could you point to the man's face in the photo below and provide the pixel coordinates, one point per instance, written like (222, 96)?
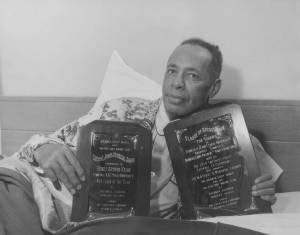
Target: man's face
(187, 83)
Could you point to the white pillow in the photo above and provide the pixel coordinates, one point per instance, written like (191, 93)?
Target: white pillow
(121, 80)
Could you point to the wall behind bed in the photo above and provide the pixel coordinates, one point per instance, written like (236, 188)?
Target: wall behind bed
(61, 47)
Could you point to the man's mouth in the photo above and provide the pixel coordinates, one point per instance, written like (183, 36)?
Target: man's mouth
(176, 99)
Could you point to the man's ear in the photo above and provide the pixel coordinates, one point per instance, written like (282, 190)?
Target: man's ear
(214, 89)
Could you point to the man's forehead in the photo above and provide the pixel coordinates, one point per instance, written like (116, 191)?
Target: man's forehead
(190, 55)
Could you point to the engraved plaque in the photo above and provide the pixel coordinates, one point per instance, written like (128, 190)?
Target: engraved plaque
(116, 157)
(214, 162)
(113, 172)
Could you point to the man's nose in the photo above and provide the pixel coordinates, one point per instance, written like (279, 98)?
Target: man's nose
(178, 81)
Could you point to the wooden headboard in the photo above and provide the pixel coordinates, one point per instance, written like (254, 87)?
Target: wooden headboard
(275, 123)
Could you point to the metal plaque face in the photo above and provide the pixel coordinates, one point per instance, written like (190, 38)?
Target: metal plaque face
(214, 167)
(116, 157)
(214, 162)
(113, 172)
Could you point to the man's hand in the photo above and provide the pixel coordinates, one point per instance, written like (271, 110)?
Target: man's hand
(265, 188)
(60, 163)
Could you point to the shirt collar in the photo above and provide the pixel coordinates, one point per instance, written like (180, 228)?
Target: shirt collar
(162, 118)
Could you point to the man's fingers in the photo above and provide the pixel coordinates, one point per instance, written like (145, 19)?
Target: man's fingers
(61, 164)
(264, 192)
(262, 185)
(59, 172)
(52, 176)
(75, 163)
(69, 172)
(262, 178)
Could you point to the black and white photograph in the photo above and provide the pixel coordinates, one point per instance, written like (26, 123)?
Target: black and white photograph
(149, 117)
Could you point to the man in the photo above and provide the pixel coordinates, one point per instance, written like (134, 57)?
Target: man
(192, 77)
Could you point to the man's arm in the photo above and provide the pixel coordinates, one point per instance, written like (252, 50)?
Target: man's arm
(264, 186)
(55, 155)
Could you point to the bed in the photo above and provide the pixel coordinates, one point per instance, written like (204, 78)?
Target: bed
(275, 123)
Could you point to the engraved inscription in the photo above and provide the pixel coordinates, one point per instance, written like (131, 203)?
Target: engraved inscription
(113, 173)
(214, 167)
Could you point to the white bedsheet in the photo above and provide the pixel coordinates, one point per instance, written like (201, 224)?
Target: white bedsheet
(288, 202)
(274, 224)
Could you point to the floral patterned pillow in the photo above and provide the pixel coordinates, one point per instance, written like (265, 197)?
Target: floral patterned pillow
(122, 109)
(129, 109)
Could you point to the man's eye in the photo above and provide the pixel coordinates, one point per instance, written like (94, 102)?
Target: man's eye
(171, 71)
(194, 76)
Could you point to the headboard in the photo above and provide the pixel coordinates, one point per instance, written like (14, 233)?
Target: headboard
(275, 123)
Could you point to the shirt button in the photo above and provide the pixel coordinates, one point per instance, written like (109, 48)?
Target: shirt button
(153, 174)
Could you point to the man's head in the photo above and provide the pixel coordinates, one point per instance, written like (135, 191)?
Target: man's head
(191, 78)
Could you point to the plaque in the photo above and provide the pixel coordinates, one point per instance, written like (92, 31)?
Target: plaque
(116, 157)
(214, 163)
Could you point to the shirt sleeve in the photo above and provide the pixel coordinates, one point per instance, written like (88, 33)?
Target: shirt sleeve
(66, 135)
(266, 163)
